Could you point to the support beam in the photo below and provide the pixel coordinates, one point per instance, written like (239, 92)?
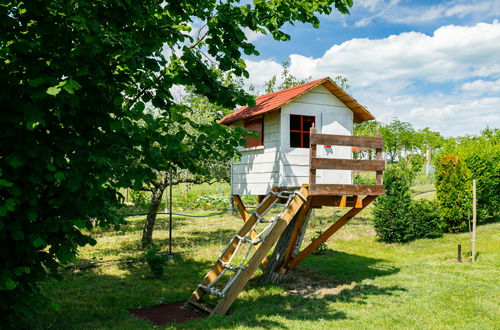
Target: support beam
(328, 233)
(296, 233)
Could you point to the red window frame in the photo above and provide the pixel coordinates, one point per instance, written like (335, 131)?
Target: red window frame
(256, 125)
(303, 131)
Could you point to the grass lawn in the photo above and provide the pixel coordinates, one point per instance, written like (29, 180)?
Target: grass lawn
(357, 283)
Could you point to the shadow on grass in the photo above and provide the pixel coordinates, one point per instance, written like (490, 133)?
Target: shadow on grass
(101, 298)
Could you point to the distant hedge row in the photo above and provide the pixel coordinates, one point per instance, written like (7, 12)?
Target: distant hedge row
(398, 218)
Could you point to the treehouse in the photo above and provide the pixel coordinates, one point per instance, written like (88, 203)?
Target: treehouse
(279, 157)
(301, 160)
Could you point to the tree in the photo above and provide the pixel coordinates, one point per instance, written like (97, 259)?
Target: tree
(76, 76)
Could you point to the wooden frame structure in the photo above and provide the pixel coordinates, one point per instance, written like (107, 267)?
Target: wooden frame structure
(353, 196)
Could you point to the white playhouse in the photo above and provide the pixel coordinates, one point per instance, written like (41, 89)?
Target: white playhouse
(280, 156)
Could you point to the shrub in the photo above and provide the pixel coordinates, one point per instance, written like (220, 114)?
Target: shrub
(453, 190)
(390, 214)
(397, 218)
(481, 155)
(425, 220)
(155, 261)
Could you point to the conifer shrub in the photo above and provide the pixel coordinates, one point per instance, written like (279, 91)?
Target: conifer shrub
(425, 221)
(454, 192)
(391, 212)
(397, 217)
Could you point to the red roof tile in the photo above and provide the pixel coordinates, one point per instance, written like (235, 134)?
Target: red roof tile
(274, 101)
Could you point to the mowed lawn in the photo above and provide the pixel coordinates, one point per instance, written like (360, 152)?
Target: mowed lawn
(358, 282)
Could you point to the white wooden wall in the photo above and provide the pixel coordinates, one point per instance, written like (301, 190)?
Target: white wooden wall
(259, 167)
(332, 117)
(276, 164)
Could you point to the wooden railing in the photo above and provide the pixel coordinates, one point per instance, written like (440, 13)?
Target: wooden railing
(366, 143)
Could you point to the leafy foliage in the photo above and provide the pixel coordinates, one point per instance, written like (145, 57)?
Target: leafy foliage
(391, 212)
(481, 155)
(454, 192)
(77, 76)
(397, 218)
(155, 261)
(425, 220)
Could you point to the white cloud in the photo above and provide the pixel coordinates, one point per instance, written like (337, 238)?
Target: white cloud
(402, 12)
(482, 87)
(402, 75)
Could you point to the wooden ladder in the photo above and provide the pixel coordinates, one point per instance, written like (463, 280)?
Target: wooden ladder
(259, 243)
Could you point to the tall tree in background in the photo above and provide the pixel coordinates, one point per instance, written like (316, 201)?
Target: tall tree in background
(76, 76)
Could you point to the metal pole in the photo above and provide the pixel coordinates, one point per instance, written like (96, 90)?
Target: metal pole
(170, 214)
(474, 220)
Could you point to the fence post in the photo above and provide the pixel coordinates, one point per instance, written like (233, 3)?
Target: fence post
(170, 221)
(474, 220)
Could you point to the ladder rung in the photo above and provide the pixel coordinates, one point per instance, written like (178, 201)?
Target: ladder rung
(201, 305)
(215, 292)
(234, 267)
(252, 241)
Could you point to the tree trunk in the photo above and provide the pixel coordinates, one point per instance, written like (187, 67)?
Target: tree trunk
(147, 232)
(270, 274)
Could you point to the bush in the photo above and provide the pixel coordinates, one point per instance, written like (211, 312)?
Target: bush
(425, 220)
(481, 155)
(397, 218)
(155, 261)
(391, 211)
(454, 193)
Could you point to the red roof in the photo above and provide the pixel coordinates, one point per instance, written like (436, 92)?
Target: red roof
(274, 101)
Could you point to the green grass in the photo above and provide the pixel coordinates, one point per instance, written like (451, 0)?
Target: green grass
(358, 283)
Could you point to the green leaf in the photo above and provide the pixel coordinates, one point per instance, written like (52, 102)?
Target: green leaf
(71, 86)
(10, 284)
(39, 242)
(54, 90)
(21, 270)
(80, 224)
(37, 82)
(59, 176)
(5, 183)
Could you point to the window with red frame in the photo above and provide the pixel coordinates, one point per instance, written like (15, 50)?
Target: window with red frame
(256, 125)
(299, 130)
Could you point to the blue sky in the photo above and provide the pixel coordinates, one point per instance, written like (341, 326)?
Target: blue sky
(433, 63)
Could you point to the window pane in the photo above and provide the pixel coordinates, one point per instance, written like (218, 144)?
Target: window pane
(295, 122)
(307, 122)
(305, 138)
(256, 125)
(294, 140)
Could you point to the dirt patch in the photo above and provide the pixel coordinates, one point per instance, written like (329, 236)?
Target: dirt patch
(167, 313)
(306, 284)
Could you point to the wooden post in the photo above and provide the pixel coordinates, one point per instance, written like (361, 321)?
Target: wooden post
(378, 156)
(312, 154)
(459, 253)
(474, 220)
(170, 218)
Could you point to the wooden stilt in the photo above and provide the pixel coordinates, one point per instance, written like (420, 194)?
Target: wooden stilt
(296, 232)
